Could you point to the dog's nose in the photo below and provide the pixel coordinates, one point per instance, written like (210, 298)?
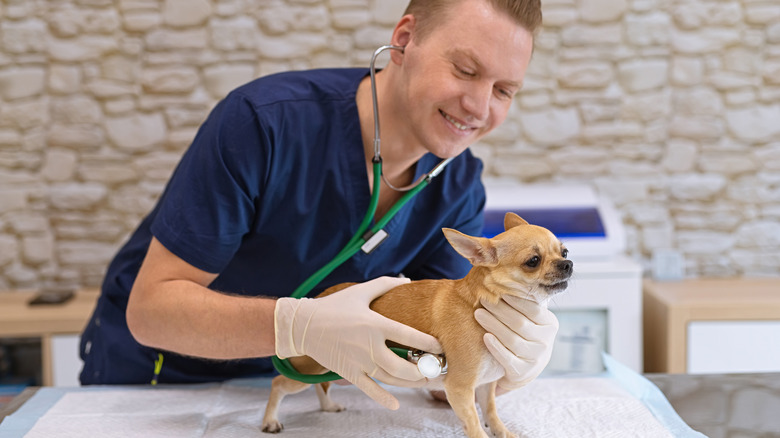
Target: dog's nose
(565, 265)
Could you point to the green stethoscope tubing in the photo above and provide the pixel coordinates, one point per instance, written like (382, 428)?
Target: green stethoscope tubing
(361, 236)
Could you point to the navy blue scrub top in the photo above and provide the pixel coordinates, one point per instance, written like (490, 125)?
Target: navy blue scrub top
(272, 187)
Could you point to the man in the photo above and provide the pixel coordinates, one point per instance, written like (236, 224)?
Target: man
(275, 183)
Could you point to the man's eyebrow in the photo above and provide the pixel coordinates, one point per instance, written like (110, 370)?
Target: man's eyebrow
(472, 58)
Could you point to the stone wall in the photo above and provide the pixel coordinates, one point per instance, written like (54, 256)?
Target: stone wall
(669, 108)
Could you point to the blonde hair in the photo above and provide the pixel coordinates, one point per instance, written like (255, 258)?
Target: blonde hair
(429, 13)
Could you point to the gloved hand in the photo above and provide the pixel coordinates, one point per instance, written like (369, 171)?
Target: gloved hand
(520, 335)
(341, 333)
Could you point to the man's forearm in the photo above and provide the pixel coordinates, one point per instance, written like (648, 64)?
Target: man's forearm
(190, 319)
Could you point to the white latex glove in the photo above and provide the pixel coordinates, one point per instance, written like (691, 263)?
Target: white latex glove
(520, 335)
(341, 333)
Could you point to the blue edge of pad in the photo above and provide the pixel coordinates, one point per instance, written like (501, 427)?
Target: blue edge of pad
(22, 421)
(563, 222)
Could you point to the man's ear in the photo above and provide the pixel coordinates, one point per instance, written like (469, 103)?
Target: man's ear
(512, 220)
(402, 34)
(478, 250)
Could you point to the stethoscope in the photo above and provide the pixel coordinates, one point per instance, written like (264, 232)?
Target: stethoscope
(366, 240)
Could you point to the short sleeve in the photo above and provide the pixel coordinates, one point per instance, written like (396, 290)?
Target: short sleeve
(209, 202)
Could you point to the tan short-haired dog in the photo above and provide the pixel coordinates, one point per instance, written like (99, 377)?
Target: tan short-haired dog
(526, 261)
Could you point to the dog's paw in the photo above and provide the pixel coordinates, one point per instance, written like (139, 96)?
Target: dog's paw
(333, 407)
(502, 432)
(272, 426)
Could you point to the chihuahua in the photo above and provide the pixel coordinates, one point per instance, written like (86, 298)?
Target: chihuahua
(525, 261)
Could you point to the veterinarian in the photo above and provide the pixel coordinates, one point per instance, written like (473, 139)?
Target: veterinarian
(277, 180)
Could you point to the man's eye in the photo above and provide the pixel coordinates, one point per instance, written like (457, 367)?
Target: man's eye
(465, 72)
(505, 93)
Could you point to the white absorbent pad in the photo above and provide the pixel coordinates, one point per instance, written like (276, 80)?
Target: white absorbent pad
(549, 407)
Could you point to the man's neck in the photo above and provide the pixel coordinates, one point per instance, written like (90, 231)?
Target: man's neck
(399, 153)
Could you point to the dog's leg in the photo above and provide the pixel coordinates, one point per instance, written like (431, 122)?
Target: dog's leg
(486, 397)
(280, 387)
(326, 403)
(461, 398)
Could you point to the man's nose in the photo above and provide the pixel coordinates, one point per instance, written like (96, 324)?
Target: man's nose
(476, 100)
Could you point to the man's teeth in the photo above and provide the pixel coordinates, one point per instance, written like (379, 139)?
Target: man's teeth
(457, 125)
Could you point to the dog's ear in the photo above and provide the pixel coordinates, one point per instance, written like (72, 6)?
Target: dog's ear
(512, 220)
(478, 250)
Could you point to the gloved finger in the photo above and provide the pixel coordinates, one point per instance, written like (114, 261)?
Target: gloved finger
(534, 311)
(376, 392)
(512, 364)
(395, 366)
(507, 315)
(411, 337)
(511, 340)
(373, 289)
(384, 377)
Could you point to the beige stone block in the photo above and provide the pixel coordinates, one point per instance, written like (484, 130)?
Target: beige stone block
(729, 164)
(754, 124)
(559, 16)
(706, 40)
(773, 33)
(580, 162)
(551, 126)
(185, 13)
(643, 75)
(140, 21)
(76, 109)
(64, 79)
(696, 187)
(12, 199)
(119, 106)
(38, 249)
(9, 249)
(585, 74)
(590, 35)
(76, 196)
(21, 82)
(238, 33)
(108, 89)
(174, 80)
(762, 13)
(187, 115)
(349, 19)
(23, 115)
(81, 48)
(166, 39)
(75, 136)
(697, 127)
(698, 101)
(687, 70)
(58, 165)
(136, 132)
(680, 155)
(106, 173)
(388, 12)
(26, 36)
(759, 234)
(85, 253)
(599, 11)
(10, 139)
(221, 80)
(771, 72)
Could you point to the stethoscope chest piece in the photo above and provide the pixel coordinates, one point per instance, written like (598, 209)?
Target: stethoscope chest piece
(430, 365)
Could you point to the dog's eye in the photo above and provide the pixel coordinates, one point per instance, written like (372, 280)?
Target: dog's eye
(565, 253)
(534, 262)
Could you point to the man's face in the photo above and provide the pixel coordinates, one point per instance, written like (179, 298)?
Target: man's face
(459, 80)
